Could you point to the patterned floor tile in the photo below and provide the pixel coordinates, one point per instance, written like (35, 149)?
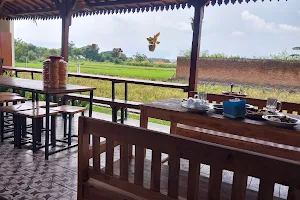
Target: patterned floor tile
(72, 195)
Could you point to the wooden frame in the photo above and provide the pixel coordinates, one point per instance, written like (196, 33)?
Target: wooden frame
(242, 163)
(171, 110)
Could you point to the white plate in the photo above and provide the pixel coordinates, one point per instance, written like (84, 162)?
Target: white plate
(201, 109)
(280, 124)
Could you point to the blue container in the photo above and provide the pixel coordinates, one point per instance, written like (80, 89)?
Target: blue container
(234, 108)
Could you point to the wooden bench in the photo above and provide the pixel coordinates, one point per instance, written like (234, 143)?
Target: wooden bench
(138, 178)
(115, 104)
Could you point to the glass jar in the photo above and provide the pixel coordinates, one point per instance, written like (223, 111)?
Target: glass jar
(63, 73)
(54, 71)
(46, 70)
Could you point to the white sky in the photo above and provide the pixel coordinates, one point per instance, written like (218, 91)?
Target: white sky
(253, 29)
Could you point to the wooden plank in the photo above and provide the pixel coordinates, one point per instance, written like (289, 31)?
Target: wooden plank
(37, 86)
(193, 180)
(224, 139)
(215, 180)
(83, 157)
(155, 170)
(173, 178)
(126, 186)
(139, 166)
(239, 186)
(109, 156)
(293, 194)
(96, 152)
(266, 190)
(124, 157)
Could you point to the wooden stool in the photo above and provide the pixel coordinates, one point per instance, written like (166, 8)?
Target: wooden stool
(41, 104)
(7, 99)
(12, 110)
(69, 110)
(37, 115)
(8, 94)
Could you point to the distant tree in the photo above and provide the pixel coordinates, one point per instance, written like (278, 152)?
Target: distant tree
(297, 56)
(31, 55)
(90, 52)
(71, 47)
(54, 52)
(139, 57)
(77, 52)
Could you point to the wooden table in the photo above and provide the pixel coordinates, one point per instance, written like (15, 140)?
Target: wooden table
(171, 110)
(36, 86)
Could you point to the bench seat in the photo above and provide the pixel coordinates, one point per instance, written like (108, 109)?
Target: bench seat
(183, 178)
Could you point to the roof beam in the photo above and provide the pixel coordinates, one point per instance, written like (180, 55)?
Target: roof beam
(125, 2)
(46, 10)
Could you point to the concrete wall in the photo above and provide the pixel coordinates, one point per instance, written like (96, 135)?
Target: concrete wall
(244, 71)
(8, 27)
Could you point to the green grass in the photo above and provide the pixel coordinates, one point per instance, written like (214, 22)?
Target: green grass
(145, 94)
(150, 73)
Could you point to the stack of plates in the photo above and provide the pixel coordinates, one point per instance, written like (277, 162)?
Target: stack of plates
(201, 108)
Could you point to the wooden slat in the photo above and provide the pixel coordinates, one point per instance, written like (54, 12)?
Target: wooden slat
(124, 157)
(139, 166)
(294, 194)
(215, 180)
(266, 190)
(155, 170)
(193, 180)
(109, 156)
(96, 152)
(173, 178)
(239, 186)
(83, 158)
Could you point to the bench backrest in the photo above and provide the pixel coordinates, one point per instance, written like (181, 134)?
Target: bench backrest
(269, 170)
(259, 103)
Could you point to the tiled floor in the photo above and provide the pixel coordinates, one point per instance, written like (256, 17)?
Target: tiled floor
(24, 175)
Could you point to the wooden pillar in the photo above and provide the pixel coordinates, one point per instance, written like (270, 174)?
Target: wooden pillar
(65, 7)
(66, 22)
(198, 17)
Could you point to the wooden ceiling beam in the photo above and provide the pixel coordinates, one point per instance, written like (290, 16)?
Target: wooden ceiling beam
(40, 4)
(121, 2)
(47, 3)
(39, 11)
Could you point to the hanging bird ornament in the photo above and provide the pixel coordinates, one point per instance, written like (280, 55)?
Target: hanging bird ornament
(153, 41)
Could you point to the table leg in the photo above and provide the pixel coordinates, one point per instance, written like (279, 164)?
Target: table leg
(47, 127)
(34, 134)
(70, 130)
(143, 119)
(173, 128)
(53, 130)
(91, 103)
(1, 124)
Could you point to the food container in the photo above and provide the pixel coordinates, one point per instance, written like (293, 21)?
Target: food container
(46, 70)
(234, 108)
(54, 71)
(63, 73)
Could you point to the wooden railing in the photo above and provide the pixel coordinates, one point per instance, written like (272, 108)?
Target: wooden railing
(114, 80)
(150, 184)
